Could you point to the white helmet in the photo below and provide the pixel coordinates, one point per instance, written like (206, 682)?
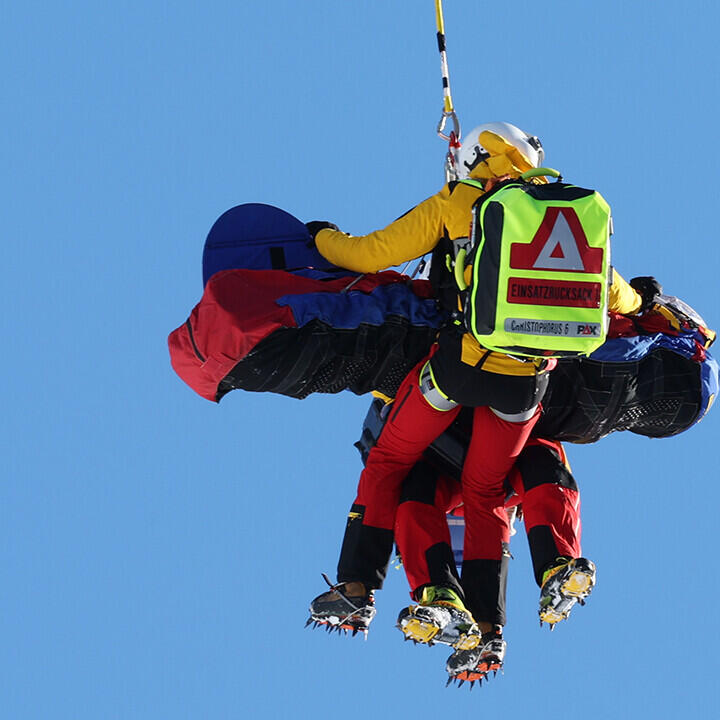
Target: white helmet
(472, 153)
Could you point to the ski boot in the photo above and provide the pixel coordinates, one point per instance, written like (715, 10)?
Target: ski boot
(566, 582)
(338, 611)
(475, 664)
(440, 617)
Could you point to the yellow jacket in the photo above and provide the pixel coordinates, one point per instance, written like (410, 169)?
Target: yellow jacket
(448, 214)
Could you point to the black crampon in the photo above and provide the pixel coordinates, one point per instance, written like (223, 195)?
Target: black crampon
(335, 611)
(476, 664)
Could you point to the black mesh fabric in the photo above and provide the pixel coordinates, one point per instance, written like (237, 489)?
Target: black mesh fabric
(654, 415)
(318, 358)
(657, 396)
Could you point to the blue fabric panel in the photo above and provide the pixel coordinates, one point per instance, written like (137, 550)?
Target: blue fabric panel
(315, 274)
(347, 311)
(635, 348)
(259, 237)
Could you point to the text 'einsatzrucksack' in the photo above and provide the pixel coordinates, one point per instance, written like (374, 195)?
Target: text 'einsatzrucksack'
(539, 263)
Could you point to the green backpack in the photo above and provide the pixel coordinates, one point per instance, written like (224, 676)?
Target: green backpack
(540, 261)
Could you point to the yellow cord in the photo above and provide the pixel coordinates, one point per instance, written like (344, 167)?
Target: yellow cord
(439, 16)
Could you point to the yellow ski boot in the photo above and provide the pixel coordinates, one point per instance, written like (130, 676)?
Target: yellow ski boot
(567, 582)
(440, 617)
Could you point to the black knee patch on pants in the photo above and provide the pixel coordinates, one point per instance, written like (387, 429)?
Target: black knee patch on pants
(543, 550)
(539, 465)
(419, 485)
(485, 585)
(365, 552)
(441, 567)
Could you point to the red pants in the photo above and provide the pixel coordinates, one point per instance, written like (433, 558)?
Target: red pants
(541, 483)
(412, 425)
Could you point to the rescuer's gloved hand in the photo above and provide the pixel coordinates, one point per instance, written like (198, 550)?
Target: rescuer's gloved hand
(316, 226)
(648, 288)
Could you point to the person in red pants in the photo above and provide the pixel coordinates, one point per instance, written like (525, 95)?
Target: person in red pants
(412, 425)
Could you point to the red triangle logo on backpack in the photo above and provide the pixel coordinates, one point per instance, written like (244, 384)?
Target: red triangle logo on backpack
(559, 244)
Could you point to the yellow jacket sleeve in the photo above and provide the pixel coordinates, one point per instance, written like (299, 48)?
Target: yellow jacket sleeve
(622, 298)
(410, 236)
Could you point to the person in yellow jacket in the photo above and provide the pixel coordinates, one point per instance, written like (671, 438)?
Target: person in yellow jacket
(504, 390)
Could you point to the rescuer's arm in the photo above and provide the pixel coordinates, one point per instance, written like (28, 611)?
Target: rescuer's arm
(410, 236)
(623, 298)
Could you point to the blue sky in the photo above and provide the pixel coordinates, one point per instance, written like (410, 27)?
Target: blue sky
(159, 552)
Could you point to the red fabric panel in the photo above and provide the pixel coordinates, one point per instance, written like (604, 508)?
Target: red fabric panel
(419, 526)
(410, 429)
(551, 505)
(559, 509)
(238, 310)
(494, 447)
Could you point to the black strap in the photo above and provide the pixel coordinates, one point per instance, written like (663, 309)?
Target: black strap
(277, 258)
